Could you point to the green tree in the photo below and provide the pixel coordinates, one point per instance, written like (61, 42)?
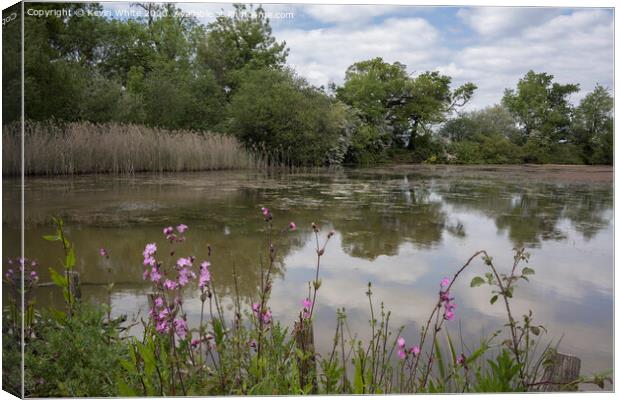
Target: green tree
(242, 41)
(278, 112)
(593, 126)
(541, 106)
(492, 120)
(390, 100)
(428, 100)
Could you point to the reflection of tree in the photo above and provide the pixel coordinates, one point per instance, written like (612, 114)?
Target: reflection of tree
(589, 210)
(386, 216)
(532, 212)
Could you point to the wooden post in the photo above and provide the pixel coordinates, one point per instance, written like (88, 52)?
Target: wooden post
(74, 284)
(304, 338)
(563, 370)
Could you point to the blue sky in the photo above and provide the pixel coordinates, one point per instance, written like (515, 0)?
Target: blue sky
(490, 46)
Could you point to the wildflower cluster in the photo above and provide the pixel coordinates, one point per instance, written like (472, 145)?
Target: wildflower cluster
(446, 300)
(172, 237)
(307, 306)
(403, 351)
(24, 265)
(167, 307)
(262, 313)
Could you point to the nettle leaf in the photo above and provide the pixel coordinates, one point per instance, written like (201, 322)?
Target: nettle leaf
(528, 271)
(493, 299)
(477, 281)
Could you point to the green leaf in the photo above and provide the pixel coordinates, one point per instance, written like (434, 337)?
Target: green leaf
(219, 331)
(58, 279)
(358, 380)
(123, 389)
(527, 271)
(477, 281)
(493, 299)
(51, 238)
(70, 260)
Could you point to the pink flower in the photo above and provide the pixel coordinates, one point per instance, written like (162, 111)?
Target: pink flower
(445, 282)
(170, 285)
(162, 326)
(415, 350)
(401, 342)
(150, 249)
(255, 307)
(445, 296)
(163, 314)
(184, 262)
(402, 354)
(149, 260)
(159, 302)
(205, 275)
(169, 230)
(265, 211)
(449, 316)
(103, 252)
(155, 275)
(145, 274)
(181, 228)
(267, 317)
(185, 275)
(180, 326)
(307, 304)
(195, 342)
(33, 275)
(292, 226)
(460, 360)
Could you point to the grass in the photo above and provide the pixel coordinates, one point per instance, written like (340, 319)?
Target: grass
(81, 147)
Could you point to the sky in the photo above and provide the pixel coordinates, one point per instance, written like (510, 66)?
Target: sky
(490, 46)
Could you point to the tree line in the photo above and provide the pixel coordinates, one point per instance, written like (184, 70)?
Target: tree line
(230, 76)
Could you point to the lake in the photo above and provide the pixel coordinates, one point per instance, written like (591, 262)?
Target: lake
(403, 228)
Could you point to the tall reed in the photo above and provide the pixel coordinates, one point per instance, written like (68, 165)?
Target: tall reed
(53, 148)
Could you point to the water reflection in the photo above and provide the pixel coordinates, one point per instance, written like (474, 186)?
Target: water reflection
(401, 229)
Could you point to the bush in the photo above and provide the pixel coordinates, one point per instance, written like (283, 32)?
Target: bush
(483, 149)
(73, 356)
(294, 122)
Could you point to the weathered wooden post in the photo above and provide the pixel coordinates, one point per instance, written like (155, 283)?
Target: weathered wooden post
(304, 338)
(563, 370)
(73, 279)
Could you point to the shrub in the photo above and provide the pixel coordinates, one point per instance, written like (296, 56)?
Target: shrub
(73, 356)
(294, 122)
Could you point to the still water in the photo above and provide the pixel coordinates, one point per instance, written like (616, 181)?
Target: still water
(401, 228)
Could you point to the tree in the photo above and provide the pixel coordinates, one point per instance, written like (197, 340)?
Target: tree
(390, 100)
(593, 126)
(242, 41)
(490, 121)
(279, 113)
(428, 100)
(541, 106)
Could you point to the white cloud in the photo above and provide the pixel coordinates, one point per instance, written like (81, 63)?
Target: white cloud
(347, 13)
(494, 21)
(323, 55)
(575, 48)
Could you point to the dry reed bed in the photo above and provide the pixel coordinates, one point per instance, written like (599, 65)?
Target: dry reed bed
(82, 147)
